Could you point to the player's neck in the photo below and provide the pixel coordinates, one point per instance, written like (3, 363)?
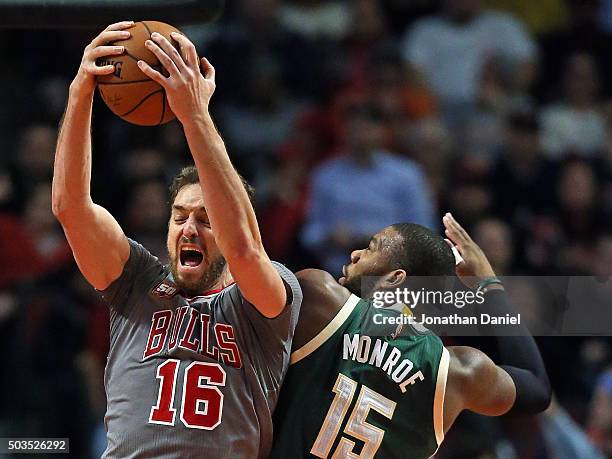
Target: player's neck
(223, 281)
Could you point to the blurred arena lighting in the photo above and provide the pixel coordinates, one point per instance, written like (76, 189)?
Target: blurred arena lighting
(62, 14)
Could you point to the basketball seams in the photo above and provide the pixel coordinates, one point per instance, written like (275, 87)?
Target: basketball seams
(144, 99)
(146, 27)
(163, 111)
(106, 83)
(128, 101)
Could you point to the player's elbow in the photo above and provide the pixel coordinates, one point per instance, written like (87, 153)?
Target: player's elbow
(68, 210)
(533, 391)
(544, 400)
(59, 206)
(538, 401)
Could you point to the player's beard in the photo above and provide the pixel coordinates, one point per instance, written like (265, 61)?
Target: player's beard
(204, 282)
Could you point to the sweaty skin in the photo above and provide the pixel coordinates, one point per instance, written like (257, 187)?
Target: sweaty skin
(474, 381)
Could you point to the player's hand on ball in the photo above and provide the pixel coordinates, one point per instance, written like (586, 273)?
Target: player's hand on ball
(98, 48)
(475, 265)
(190, 83)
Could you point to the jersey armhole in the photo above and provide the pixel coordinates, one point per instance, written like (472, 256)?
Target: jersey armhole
(327, 332)
(438, 405)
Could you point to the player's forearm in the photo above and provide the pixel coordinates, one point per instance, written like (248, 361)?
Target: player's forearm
(72, 169)
(229, 209)
(520, 357)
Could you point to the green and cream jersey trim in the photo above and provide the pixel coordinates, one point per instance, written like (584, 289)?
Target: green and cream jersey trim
(402, 374)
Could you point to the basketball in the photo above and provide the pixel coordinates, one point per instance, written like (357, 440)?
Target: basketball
(128, 92)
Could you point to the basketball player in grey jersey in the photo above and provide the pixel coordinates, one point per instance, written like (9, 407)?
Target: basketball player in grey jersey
(198, 348)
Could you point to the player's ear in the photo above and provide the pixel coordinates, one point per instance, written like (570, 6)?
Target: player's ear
(395, 278)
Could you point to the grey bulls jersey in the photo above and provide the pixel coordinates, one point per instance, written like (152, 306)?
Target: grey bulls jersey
(191, 377)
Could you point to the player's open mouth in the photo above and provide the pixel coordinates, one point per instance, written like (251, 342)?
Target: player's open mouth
(191, 257)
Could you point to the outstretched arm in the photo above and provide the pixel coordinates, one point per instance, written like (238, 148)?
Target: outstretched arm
(99, 246)
(525, 386)
(189, 87)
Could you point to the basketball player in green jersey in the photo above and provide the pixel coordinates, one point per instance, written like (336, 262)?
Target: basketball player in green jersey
(359, 389)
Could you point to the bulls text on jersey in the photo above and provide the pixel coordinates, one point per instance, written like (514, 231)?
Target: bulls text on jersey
(166, 326)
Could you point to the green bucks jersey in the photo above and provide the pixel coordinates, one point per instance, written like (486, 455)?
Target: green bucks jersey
(370, 384)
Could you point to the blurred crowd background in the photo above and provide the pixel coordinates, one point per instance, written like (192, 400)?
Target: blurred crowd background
(346, 116)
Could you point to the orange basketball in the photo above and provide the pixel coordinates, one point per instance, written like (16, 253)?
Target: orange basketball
(128, 92)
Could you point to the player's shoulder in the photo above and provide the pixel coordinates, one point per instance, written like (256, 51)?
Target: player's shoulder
(323, 298)
(322, 285)
(314, 275)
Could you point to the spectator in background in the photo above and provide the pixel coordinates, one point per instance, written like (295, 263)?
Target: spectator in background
(362, 190)
(583, 34)
(522, 180)
(503, 89)
(428, 142)
(575, 124)
(368, 33)
(450, 49)
(262, 120)
(579, 216)
(600, 419)
(317, 19)
(539, 17)
(282, 212)
(495, 239)
(469, 196)
(255, 37)
(150, 226)
(563, 437)
(400, 97)
(34, 159)
(32, 245)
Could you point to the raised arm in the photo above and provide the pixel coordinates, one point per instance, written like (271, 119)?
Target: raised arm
(518, 382)
(99, 246)
(189, 87)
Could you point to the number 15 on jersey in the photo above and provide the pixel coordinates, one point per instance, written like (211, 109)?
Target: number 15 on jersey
(356, 426)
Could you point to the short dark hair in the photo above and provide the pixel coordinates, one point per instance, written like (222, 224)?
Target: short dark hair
(189, 176)
(422, 252)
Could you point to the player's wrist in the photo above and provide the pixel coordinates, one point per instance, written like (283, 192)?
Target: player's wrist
(82, 85)
(200, 123)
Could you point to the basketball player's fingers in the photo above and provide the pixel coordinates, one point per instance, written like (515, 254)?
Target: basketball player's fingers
(207, 69)
(120, 25)
(102, 51)
(170, 51)
(163, 58)
(460, 236)
(152, 73)
(109, 36)
(100, 70)
(450, 230)
(188, 50)
(456, 252)
(453, 237)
